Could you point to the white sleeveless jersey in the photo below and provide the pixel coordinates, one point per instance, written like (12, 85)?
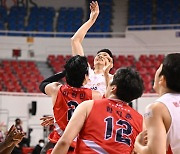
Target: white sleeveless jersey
(97, 82)
(172, 102)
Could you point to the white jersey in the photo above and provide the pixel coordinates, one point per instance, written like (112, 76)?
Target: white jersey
(97, 82)
(172, 102)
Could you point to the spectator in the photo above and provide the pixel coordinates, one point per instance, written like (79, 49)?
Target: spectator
(38, 147)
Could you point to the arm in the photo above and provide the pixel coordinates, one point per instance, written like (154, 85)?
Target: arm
(107, 68)
(76, 40)
(8, 150)
(50, 86)
(156, 131)
(76, 122)
(53, 78)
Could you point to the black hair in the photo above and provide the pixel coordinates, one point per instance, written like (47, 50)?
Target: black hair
(18, 121)
(171, 71)
(41, 140)
(129, 84)
(107, 51)
(76, 68)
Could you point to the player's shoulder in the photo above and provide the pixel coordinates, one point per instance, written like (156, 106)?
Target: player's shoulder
(156, 109)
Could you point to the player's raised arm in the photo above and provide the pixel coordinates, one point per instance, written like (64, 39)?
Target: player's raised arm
(76, 40)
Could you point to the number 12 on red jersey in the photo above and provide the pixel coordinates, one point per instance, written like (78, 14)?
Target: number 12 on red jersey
(122, 134)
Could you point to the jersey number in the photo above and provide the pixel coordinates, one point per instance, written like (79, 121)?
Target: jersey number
(127, 130)
(72, 106)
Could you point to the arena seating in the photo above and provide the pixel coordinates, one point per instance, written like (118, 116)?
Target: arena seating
(19, 76)
(149, 12)
(104, 21)
(24, 76)
(69, 19)
(42, 19)
(3, 18)
(146, 65)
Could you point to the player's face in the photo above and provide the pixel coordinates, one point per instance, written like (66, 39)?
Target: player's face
(100, 58)
(156, 79)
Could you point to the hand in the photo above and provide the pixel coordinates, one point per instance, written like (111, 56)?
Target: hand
(47, 121)
(141, 139)
(94, 7)
(13, 136)
(18, 136)
(108, 64)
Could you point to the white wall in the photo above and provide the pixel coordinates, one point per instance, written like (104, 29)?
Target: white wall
(16, 105)
(136, 43)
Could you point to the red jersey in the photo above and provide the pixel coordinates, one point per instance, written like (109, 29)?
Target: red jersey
(111, 127)
(67, 100)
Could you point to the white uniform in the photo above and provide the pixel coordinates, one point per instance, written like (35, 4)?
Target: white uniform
(97, 82)
(172, 102)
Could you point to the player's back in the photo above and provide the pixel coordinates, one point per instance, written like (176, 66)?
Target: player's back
(172, 102)
(67, 100)
(111, 127)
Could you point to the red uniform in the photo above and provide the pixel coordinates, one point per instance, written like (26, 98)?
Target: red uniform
(67, 100)
(111, 127)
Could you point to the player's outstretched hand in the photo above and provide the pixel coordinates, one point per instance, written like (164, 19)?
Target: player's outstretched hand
(94, 7)
(13, 136)
(47, 121)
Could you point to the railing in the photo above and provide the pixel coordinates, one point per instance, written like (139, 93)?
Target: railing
(58, 34)
(154, 27)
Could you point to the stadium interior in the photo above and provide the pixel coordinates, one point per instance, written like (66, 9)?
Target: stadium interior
(35, 43)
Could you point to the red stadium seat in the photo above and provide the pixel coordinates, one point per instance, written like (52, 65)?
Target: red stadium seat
(51, 58)
(121, 58)
(138, 65)
(160, 57)
(157, 63)
(117, 65)
(60, 58)
(143, 58)
(148, 88)
(131, 59)
(152, 57)
(27, 150)
(142, 70)
(152, 71)
(147, 78)
(147, 64)
(126, 63)
(67, 57)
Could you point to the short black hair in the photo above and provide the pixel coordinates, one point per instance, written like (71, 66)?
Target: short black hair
(107, 51)
(76, 68)
(17, 121)
(129, 84)
(171, 71)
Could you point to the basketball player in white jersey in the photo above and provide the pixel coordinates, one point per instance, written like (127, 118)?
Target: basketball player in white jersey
(103, 62)
(162, 118)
